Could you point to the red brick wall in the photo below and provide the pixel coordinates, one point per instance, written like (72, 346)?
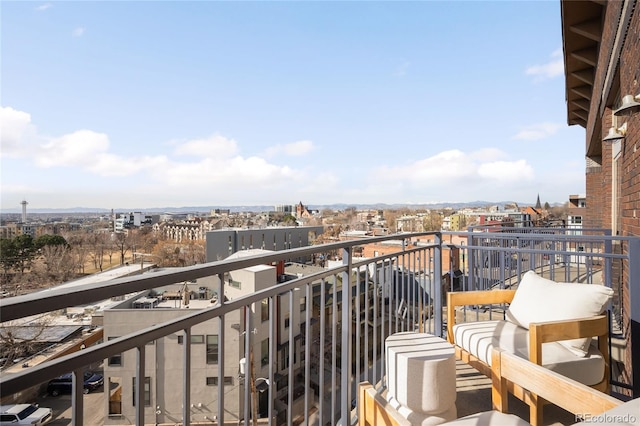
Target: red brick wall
(630, 173)
(599, 179)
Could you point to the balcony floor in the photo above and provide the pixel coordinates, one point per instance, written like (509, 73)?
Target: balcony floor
(474, 396)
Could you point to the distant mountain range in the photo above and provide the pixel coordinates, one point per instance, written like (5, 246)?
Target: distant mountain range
(257, 208)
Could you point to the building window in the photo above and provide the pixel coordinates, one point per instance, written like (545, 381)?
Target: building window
(286, 321)
(235, 284)
(303, 304)
(264, 352)
(213, 381)
(147, 391)
(115, 360)
(264, 310)
(282, 382)
(284, 359)
(195, 339)
(212, 349)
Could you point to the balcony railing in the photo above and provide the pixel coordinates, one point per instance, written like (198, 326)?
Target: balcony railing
(314, 359)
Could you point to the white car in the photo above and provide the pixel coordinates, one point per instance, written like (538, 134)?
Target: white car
(24, 414)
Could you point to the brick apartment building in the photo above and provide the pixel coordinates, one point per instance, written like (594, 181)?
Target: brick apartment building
(601, 44)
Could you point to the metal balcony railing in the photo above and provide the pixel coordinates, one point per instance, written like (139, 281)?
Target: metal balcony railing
(313, 359)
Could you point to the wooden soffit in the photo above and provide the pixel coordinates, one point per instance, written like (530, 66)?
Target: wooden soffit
(581, 35)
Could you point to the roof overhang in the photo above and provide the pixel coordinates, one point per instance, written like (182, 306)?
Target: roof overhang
(581, 35)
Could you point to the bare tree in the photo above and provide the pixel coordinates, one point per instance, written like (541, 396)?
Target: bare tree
(21, 340)
(79, 249)
(57, 262)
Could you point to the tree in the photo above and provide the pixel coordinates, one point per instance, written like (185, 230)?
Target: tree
(8, 255)
(121, 241)
(57, 264)
(50, 240)
(25, 251)
(432, 221)
(18, 341)
(79, 248)
(289, 220)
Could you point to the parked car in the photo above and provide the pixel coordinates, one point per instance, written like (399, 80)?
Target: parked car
(24, 414)
(64, 383)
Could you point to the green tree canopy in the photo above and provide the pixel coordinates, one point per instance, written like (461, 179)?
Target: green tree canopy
(50, 240)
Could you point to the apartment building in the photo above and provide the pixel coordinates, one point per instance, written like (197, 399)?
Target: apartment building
(223, 243)
(164, 360)
(164, 356)
(577, 207)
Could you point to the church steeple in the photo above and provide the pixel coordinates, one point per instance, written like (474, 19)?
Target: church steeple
(538, 205)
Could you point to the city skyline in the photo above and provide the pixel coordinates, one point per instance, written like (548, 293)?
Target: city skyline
(151, 104)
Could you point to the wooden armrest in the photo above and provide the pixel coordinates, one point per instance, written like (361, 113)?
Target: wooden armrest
(560, 390)
(374, 410)
(553, 331)
(477, 297)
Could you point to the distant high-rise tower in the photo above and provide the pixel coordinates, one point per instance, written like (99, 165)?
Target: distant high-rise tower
(538, 205)
(24, 211)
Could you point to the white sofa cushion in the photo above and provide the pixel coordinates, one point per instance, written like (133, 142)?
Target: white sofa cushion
(489, 418)
(538, 299)
(479, 338)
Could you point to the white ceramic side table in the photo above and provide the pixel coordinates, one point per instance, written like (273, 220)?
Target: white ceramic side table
(421, 377)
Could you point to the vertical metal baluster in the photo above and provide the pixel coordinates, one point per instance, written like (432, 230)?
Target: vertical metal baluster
(140, 382)
(221, 353)
(248, 366)
(290, 363)
(345, 359)
(186, 377)
(77, 393)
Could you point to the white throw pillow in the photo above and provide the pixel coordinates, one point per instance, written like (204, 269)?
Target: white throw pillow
(538, 299)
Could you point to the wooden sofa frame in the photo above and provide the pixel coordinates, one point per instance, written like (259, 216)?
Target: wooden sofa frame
(539, 333)
(507, 368)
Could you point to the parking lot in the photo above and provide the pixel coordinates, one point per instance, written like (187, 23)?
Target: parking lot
(94, 407)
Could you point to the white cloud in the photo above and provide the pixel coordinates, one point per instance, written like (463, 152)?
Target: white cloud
(16, 127)
(217, 165)
(455, 167)
(43, 7)
(553, 68)
(294, 149)
(221, 175)
(213, 146)
(113, 165)
(81, 148)
(506, 171)
(537, 131)
(78, 32)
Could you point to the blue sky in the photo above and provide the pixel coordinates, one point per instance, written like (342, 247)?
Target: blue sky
(156, 104)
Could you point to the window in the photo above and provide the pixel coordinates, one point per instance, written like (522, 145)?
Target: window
(286, 321)
(264, 310)
(303, 304)
(284, 358)
(282, 382)
(213, 381)
(264, 352)
(147, 391)
(115, 360)
(235, 284)
(195, 339)
(212, 349)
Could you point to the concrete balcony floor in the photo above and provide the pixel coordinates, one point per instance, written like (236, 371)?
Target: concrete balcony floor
(474, 396)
